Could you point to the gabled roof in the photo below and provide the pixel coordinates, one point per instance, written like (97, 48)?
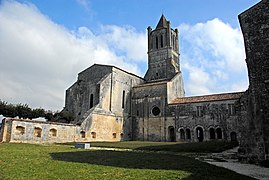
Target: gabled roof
(207, 98)
(162, 22)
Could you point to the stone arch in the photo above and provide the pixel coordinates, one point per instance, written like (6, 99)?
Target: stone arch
(212, 133)
(188, 133)
(182, 133)
(219, 133)
(233, 136)
(53, 132)
(20, 130)
(171, 133)
(37, 131)
(199, 130)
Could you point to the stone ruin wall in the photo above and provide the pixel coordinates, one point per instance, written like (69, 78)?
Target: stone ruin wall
(254, 144)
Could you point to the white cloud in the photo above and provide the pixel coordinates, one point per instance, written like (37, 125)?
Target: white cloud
(84, 3)
(40, 59)
(213, 58)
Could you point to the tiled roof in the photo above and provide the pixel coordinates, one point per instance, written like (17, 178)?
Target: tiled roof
(206, 98)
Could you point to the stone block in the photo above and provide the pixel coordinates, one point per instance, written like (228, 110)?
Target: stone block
(83, 145)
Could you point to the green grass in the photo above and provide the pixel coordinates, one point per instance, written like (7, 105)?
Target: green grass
(202, 147)
(27, 161)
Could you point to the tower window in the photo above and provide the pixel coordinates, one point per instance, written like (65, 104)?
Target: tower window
(156, 42)
(123, 99)
(91, 101)
(161, 40)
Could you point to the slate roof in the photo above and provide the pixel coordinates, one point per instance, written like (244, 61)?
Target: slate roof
(207, 98)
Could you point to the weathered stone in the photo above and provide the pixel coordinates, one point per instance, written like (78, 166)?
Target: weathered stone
(254, 142)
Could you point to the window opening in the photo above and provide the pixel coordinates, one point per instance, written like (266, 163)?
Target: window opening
(20, 130)
(83, 134)
(93, 134)
(123, 99)
(37, 132)
(156, 111)
(53, 132)
(161, 40)
(156, 42)
(91, 101)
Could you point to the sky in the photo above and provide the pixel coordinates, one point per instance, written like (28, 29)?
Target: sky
(45, 44)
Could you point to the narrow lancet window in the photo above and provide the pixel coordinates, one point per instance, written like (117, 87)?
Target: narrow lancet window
(123, 99)
(91, 101)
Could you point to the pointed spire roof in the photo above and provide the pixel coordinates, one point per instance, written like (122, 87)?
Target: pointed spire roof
(162, 22)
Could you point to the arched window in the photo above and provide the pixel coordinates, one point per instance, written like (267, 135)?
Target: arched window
(200, 134)
(188, 133)
(233, 136)
(161, 40)
(156, 41)
(182, 134)
(219, 133)
(53, 133)
(91, 100)
(20, 130)
(83, 134)
(37, 132)
(93, 134)
(212, 133)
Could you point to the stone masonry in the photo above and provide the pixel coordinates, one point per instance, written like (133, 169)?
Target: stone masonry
(254, 142)
(110, 104)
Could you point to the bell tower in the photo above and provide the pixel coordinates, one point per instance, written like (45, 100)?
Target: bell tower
(163, 52)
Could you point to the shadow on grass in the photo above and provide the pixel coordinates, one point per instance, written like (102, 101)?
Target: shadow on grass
(153, 161)
(196, 147)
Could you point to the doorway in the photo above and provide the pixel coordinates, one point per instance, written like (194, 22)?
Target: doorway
(171, 132)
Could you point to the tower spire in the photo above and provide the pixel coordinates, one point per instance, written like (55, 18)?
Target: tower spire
(162, 22)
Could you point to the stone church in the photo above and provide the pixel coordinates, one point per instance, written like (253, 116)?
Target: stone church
(111, 104)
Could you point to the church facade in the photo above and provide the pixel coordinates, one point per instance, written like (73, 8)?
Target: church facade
(110, 104)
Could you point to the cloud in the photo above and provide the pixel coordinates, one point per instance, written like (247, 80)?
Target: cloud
(84, 3)
(213, 58)
(40, 59)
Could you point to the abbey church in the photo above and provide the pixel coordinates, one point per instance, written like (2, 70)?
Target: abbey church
(111, 104)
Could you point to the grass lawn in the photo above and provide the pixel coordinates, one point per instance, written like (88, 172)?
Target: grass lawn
(28, 161)
(202, 147)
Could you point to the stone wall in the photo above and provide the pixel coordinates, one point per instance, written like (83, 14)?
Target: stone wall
(215, 119)
(255, 107)
(27, 131)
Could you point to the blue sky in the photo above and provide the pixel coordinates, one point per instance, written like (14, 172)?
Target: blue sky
(45, 44)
